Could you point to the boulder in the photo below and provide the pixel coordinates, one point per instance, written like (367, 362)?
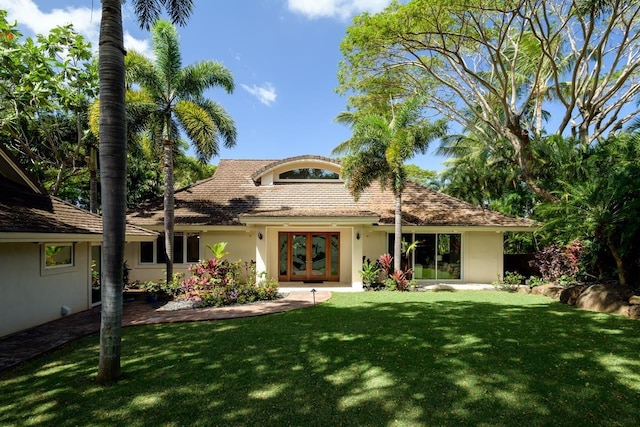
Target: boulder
(606, 299)
(570, 294)
(634, 311)
(548, 290)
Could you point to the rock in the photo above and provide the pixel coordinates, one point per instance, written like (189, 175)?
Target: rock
(440, 287)
(634, 311)
(548, 290)
(606, 299)
(570, 295)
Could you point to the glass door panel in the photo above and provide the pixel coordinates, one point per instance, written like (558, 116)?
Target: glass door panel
(299, 256)
(318, 256)
(283, 259)
(335, 255)
(424, 266)
(96, 269)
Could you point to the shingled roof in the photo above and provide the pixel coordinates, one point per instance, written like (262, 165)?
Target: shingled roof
(233, 194)
(25, 208)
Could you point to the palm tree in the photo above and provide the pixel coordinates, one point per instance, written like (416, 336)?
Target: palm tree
(178, 97)
(113, 149)
(378, 149)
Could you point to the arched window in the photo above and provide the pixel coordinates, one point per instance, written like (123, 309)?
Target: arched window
(308, 173)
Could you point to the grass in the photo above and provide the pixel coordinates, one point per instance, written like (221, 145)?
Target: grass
(374, 358)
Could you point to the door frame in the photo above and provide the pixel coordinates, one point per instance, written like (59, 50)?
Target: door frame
(288, 276)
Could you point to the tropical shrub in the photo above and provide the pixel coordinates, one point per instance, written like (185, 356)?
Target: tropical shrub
(510, 282)
(395, 280)
(536, 281)
(217, 282)
(560, 264)
(370, 273)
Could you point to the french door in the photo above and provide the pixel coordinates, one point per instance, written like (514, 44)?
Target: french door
(309, 256)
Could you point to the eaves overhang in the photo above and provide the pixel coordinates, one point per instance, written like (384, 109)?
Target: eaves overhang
(308, 220)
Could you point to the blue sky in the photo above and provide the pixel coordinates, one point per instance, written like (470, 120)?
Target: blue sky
(283, 55)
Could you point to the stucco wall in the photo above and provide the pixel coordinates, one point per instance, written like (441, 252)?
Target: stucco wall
(483, 256)
(240, 245)
(482, 252)
(374, 244)
(28, 297)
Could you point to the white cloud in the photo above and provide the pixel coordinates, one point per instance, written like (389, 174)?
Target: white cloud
(265, 93)
(342, 9)
(85, 20)
(140, 46)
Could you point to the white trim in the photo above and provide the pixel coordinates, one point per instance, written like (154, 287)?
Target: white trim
(309, 220)
(21, 237)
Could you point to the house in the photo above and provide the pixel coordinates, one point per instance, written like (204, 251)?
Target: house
(298, 221)
(47, 248)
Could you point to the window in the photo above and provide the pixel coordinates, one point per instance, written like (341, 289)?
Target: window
(58, 255)
(308, 173)
(146, 252)
(183, 244)
(436, 256)
(193, 247)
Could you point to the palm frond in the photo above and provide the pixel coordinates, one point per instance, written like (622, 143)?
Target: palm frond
(142, 71)
(204, 75)
(166, 47)
(223, 120)
(199, 127)
(148, 11)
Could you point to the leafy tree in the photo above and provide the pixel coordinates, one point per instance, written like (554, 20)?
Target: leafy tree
(46, 85)
(378, 150)
(421, 176)
(113, 148)
(177, 94)
(497, 68)
(602, 208)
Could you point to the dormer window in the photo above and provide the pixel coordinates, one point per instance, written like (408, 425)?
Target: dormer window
(301, 174)
(299, 169)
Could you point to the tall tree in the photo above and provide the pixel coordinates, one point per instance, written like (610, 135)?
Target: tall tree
(507, 63)
(46, 85)
(378, 149)
(177, 94)
(113, 148)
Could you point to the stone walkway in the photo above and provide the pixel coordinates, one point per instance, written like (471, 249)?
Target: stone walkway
(33, 342)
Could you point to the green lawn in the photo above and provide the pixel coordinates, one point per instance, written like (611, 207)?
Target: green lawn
(373, 358)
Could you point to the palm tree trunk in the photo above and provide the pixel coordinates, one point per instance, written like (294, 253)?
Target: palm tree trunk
(397, 241)
(113, 149)
(168, 206)
(619, 263)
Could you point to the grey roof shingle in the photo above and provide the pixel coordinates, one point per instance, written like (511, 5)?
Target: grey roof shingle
(26, 208)
(26, 212)
(232, 192)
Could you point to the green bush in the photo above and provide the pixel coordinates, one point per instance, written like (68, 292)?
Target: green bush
(536, 281)
(217, 283)
(510, 282)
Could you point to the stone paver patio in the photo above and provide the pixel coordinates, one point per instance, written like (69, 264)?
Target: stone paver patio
(33, 342)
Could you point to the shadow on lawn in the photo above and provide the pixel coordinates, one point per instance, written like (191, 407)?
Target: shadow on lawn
(440, 361)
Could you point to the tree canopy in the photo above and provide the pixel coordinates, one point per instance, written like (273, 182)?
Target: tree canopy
(500, 68)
